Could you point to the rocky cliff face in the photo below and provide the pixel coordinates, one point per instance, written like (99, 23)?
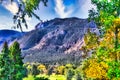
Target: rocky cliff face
(54, 39)
(57, 40)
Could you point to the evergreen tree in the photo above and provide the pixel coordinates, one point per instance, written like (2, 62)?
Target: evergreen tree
(5, 63)
(69, 74)
(17, 65)
(5, 47)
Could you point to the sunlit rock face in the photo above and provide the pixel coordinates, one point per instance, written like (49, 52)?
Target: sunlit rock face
(53, 40)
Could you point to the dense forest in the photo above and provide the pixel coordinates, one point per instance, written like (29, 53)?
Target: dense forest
(103, 64)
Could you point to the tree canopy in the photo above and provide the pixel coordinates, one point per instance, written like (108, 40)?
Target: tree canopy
(105, 61)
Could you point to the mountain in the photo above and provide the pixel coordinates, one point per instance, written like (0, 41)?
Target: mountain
(9, 36)
(57, 40)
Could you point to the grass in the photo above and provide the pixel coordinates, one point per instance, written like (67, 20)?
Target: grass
(57, 77)
(53, 77)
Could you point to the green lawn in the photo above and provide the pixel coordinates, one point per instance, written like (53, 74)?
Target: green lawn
(53, 77)
(57, 77)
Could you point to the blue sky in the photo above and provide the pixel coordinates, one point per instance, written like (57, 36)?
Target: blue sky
(55, 8)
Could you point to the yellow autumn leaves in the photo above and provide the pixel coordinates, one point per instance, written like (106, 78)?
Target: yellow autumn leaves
(116, 22)
(61, 69)
(96, 70)
(96, 67)
(108, 39)
(91, 40)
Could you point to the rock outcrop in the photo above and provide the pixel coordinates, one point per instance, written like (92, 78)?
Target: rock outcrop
(55, 40)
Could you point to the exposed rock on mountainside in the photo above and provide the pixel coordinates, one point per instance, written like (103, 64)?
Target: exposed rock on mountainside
(54, 38)
(57, 40)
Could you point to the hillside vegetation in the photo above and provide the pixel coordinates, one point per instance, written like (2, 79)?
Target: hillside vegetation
(58, 54)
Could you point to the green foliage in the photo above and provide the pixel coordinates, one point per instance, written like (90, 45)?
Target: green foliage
(34, 71)
(107, 11)
(31, 77)
(91, 43)
(104, 63)
(109, 6)
(50, 70)
(16, 53)
(114, 70)
(57, 77)
(18, 70)
(42, 69)
(107, 18)
(41, 78)
(29, 7)
(77, 75)
(91, 40)
(61, 70)
(34, 68)
(5, 48)
(5, 63)
(69, 74)
(26, 8)
(69, 66)
(55, 72)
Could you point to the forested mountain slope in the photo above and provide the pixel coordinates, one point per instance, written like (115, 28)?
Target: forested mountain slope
(53, 40)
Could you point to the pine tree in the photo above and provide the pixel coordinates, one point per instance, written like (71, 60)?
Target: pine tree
(5, 63)
(17, 65)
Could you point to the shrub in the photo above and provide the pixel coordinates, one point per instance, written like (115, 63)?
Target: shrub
(69, 74)
(114, 70)
(95, 69)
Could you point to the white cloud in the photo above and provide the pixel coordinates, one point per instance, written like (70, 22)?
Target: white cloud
(6, 22)
(12, 7)
(60, 9)
(86, 6)
(28, 18)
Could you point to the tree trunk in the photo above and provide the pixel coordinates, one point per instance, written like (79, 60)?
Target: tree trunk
(116, 38)
(116, 43)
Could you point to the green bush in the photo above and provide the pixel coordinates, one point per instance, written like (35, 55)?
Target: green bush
(31, 77)
(69, 74)
(114, 70)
